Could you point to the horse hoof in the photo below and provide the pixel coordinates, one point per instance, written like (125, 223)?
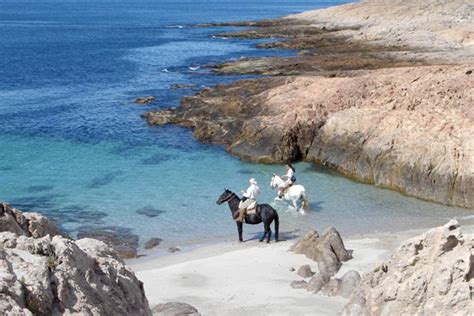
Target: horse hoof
(268, 241)
(261, 240)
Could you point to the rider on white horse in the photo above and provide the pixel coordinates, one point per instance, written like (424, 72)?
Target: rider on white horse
(290, 179)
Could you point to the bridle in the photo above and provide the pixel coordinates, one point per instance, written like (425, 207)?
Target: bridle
(231, 195)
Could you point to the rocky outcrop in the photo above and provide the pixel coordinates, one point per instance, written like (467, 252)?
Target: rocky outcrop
(145, 100)
(408, 129)
(25, 223)
(55, 275)
(45, 273)
(327, 250)
(432, 274)
(175, 309)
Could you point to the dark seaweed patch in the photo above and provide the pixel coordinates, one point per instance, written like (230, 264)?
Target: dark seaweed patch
(39, 188)
(103, 180)
(32, 203)
(149, 211)
(156, 159)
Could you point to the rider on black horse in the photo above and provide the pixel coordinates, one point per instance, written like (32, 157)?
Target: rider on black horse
(250, 197)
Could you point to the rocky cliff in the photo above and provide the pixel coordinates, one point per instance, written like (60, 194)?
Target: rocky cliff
(368, 99)
(43, 273)
(432, 274)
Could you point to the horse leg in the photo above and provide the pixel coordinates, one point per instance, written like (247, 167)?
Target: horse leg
(264, 234)
(268, 232)
(239, 229)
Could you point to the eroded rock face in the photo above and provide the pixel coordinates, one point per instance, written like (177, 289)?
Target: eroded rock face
(431, 274)
(409, 129)
(25, 223)
(55, 275)
(328, 250)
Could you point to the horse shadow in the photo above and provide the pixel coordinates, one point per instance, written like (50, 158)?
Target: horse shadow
(283, 235)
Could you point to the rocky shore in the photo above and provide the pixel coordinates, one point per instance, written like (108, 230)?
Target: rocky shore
(42, 272)
(380, 91)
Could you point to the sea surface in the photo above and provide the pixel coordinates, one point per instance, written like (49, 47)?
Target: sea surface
(74, 147)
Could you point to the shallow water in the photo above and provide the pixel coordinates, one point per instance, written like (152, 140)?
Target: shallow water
(73, 145)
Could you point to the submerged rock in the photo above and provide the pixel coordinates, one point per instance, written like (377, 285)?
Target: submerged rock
(328, 250)
(120, 238)
(431, 274)
(153, 242)
(175, 309)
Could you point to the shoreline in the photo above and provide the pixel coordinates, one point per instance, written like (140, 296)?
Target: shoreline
(276, 119)
(235, 278)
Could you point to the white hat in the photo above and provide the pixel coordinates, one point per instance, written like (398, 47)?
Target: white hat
(253, 181)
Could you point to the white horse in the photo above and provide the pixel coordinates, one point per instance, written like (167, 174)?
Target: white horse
(296, 193)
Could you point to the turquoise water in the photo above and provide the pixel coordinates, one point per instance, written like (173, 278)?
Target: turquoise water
(73, 145)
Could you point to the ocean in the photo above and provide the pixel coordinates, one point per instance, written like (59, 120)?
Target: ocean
(74, 147)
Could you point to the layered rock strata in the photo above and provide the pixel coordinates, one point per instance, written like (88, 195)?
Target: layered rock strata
(431, 274)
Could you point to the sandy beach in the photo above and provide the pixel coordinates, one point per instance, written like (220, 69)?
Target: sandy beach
(252, 278)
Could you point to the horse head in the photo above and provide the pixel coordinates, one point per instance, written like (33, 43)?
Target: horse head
(274, 181)
(224, 197)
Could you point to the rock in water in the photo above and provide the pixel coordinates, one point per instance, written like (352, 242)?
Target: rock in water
(175, 309)
(328, 250)
(431, 274)
(153, 242)
(25, 223)
(145, 100)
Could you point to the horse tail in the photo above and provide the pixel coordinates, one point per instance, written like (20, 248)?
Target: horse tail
(277, 226)
(305, 201)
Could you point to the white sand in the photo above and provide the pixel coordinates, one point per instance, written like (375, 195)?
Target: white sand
(246, 279)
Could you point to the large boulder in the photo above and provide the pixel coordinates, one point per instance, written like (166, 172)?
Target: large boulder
(55, 275)
(328, 250)
(25, 223)
(431, 274)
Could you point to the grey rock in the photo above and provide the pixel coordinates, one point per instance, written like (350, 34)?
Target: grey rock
(328, 250)
(316, 283)
(26, 223)
(331, 288)
(349, 282)
(175, 309)
(431, 274)
(305, 271)
(174, 249)
(153, 242)
(55, 275)
(120, 238)
(299, 284)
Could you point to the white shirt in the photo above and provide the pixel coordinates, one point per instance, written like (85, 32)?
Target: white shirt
(290, 173)
(252, 192)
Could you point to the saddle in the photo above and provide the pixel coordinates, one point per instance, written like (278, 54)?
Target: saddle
(251, 209)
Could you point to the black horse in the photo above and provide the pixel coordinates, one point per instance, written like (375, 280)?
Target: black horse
(265, 213)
